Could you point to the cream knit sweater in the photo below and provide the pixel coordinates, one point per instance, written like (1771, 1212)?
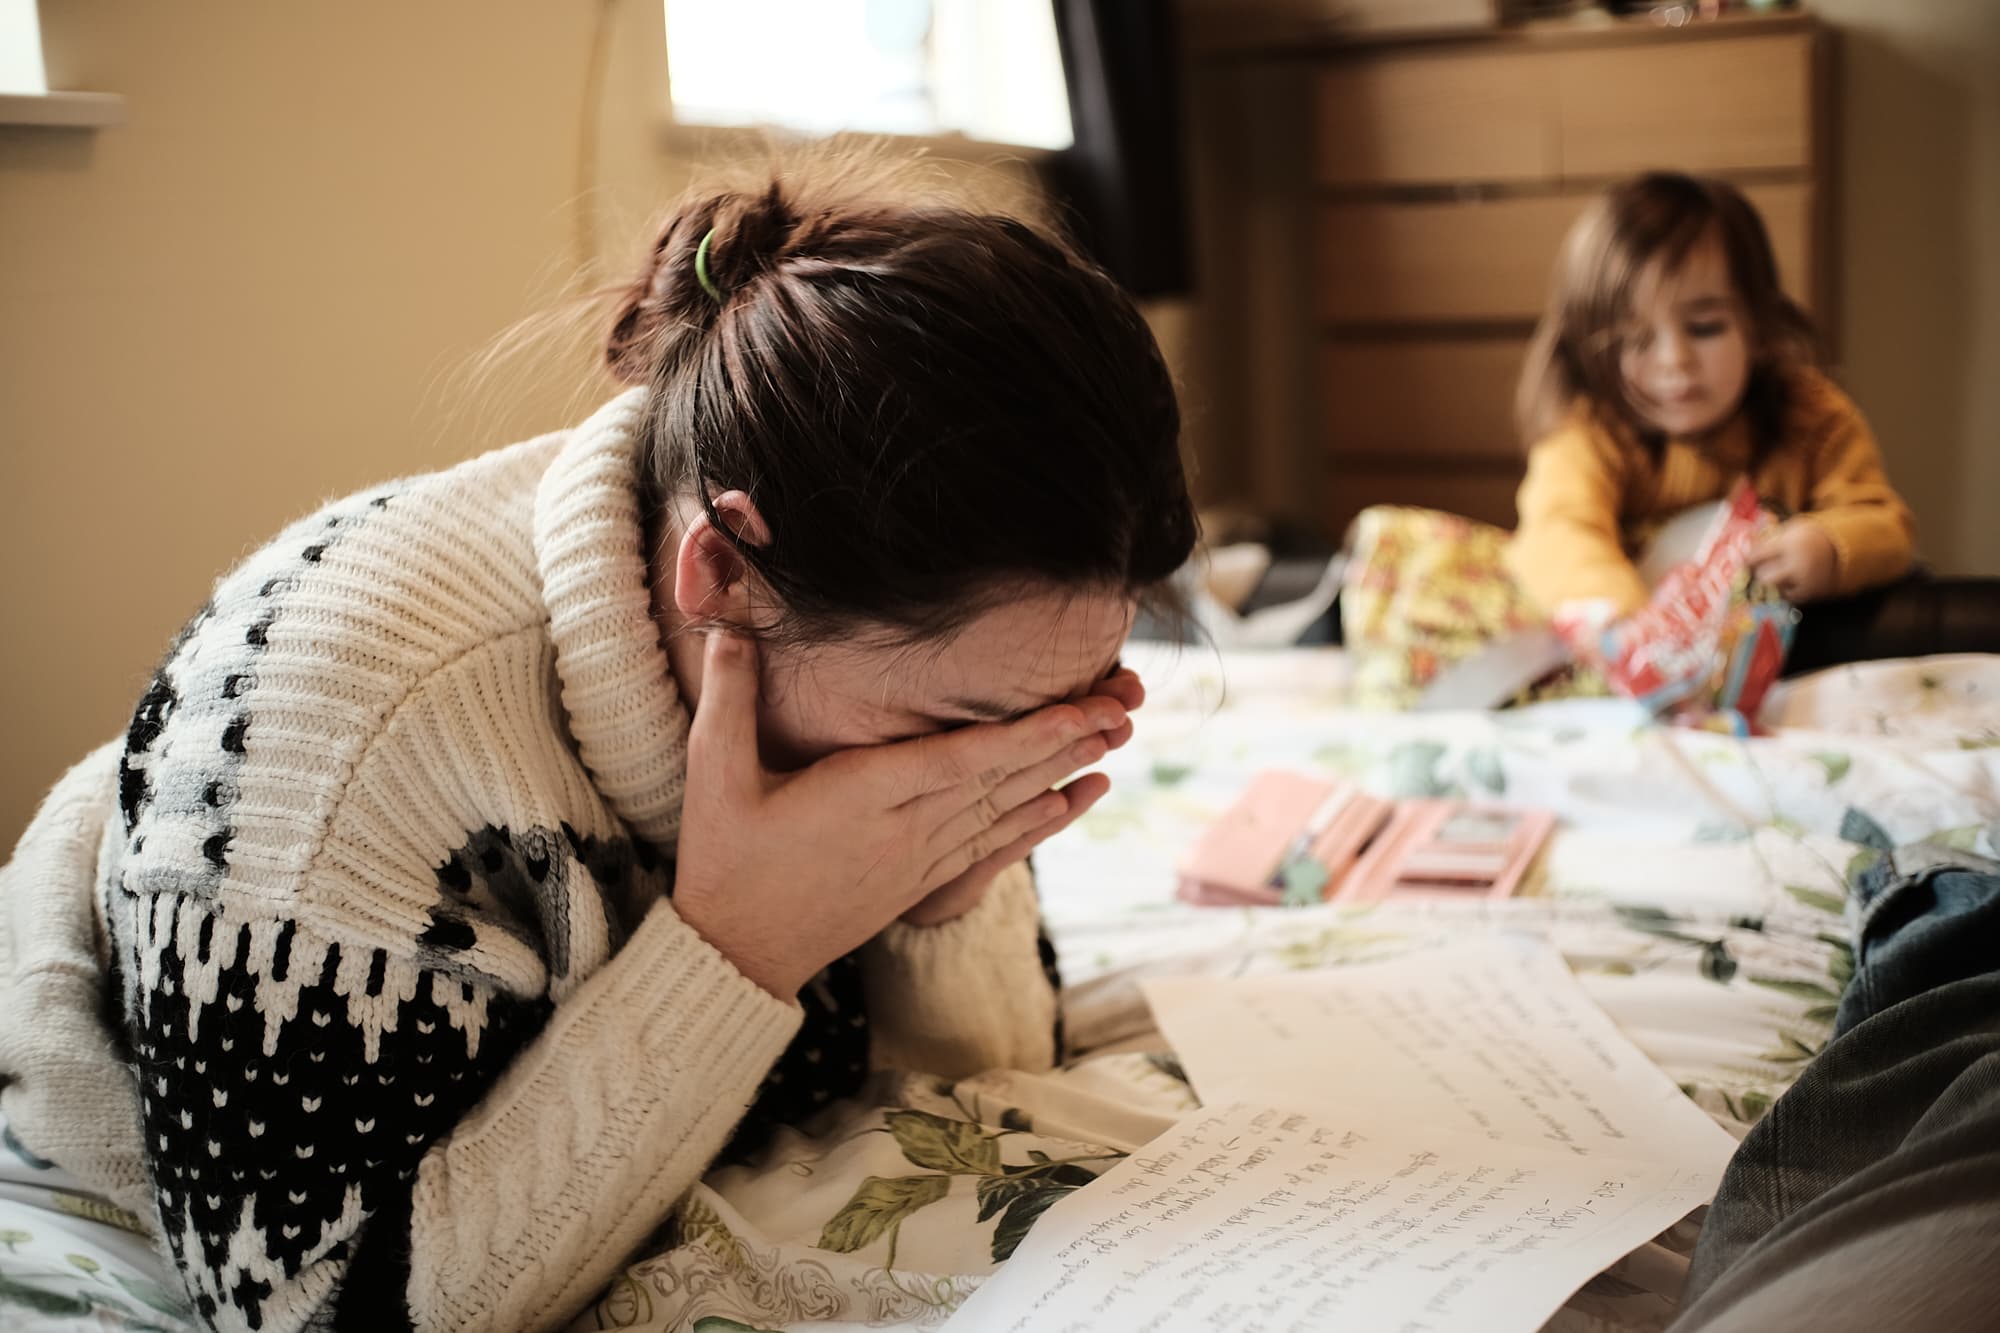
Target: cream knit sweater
(410, 1034)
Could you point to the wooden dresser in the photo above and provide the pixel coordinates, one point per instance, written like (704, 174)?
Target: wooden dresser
(1442, 176)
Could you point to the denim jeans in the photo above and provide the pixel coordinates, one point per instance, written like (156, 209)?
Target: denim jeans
(1869, 1196)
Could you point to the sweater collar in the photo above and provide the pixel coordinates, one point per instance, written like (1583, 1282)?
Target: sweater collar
(625, 711)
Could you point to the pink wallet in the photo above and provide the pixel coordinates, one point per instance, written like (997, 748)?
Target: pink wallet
(1287, 839)
(1291, 839)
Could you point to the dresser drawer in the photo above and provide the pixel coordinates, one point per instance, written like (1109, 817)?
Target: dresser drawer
(1744, 104)
(1437, 119)
(1391, 262)
(1488, 260)
(1426, 397)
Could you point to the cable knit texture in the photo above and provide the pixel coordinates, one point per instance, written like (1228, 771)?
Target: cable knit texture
(990, 951)
(405, 1030)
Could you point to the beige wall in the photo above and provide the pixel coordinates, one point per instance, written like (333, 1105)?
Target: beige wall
(262, 290)
(270, 285)
(1920, 259)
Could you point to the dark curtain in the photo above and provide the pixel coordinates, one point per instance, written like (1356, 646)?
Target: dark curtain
(1122, 183)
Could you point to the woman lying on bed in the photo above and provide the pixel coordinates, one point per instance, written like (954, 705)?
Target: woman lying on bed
(442, 952)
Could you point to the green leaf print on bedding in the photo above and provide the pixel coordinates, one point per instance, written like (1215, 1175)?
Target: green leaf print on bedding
(93, 1209)
(1840, 963)
(1717, 963)
(1835, 763)
(1792, 1050)
(877, 1209)
(700, 1224)
(1798, 990)
(948, 1148)
(22, 1151)
(1818, 899)
(153, 1294)
(1748, 1108)
(1858, 827)
(85, 1303)
(1026, 1194)
(1413, 771)
(957, 1147)
(1484, 767)
(41, 1302)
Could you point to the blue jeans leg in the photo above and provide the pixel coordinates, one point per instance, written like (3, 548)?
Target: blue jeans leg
(1869, 1195)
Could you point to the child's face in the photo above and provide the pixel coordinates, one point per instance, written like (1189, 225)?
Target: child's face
(1685, 350)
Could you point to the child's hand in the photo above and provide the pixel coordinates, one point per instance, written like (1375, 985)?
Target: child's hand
(1798, 561)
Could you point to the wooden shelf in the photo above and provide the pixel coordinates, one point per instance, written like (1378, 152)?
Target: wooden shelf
(70, 111)
(1250, 32)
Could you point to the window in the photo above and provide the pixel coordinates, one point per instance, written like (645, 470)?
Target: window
(21, 49)
(25, 98)
(987, 69)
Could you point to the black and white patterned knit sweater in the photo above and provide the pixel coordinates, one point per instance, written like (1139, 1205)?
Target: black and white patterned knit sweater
(408, 1032)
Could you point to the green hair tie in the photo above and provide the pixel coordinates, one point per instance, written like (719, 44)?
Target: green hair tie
(701, 267)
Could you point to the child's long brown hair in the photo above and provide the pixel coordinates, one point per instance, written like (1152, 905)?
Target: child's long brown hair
(1573, 359)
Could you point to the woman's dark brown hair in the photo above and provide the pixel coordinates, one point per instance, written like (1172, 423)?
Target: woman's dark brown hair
(932, 406)
(1573, 360)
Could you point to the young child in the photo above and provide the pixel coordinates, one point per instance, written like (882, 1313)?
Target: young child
(1668, 365)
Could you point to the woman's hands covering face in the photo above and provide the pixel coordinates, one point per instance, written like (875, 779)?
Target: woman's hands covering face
(963, 893)
(784, 873)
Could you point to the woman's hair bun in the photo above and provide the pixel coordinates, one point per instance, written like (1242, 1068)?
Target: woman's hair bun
(684, 285)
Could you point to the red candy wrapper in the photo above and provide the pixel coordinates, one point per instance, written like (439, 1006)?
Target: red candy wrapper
(1710, 643)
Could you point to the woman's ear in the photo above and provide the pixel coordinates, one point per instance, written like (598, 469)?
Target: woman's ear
(711, 577)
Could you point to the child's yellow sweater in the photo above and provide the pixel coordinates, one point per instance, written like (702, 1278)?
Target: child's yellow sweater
(1588, 496)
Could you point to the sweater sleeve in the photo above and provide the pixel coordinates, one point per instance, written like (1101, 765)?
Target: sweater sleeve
(1567, 546)
(1849, 497)
(64, 1086)
(968, 995)
(337, 1134)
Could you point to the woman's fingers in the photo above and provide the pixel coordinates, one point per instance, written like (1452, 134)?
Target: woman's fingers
(986, 808)
(976, 760)
(1017, 823)
(1080, 795)
(722, 740)
(980, 757)
(1123, 685)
